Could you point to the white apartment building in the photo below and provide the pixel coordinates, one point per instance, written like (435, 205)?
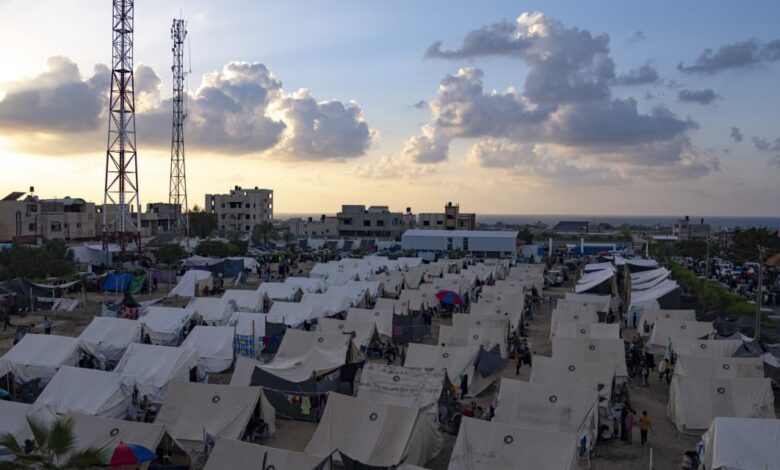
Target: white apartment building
(241, 209)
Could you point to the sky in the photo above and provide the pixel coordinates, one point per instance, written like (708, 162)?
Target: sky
(506, 107)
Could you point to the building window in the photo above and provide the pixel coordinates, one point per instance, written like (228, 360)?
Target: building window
(247, 228)
(56, 227)
(366, 223)
(18, 223)
(78, 224)
(246, 206)
(31, 227)
(439, 222)
(426, 223)
(246, 216)
(466, 244)
(449, 243)
(347, 221)
(380, 223)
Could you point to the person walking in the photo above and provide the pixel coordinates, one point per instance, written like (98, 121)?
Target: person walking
(630, 420)
(47, 324)
(666, 370)
(519, 363)
(644, 427)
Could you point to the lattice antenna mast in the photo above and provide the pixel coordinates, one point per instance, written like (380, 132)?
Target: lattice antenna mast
(177, 188)
(123, 225)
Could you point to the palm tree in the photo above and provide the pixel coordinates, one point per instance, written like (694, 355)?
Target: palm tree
(54, 447)
(263, 232)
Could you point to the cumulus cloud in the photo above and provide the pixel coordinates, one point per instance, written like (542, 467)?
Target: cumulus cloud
(55, 101)
(644, 75)
(422, 104)
(736, 55)
(392, 167)
(704, 97)
(565, 105)
(567, 64)
(736, 134)
(766, 145)
(239, 110)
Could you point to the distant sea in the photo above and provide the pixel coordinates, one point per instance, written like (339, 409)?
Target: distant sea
(614, 220)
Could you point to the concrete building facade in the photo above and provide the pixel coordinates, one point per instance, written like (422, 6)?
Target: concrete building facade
(371, 222)
(29, 219)
(684, 229)
(241, 209)
(451, 219)
(325, 226)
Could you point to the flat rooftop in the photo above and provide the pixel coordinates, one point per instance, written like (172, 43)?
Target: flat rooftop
(462, 233)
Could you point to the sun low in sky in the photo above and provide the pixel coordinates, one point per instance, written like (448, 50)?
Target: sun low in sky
(534, 107)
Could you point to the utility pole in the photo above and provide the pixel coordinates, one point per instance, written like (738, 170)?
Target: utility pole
(177, 188)
(121, 179)
(760, 292)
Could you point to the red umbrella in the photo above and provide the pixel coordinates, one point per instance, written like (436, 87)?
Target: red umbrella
(449, 297)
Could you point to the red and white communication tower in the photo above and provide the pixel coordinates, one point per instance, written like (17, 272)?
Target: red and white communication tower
(121, 201)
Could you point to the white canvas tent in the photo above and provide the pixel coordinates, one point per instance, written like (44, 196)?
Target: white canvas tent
(695, 401)
(383, 319)
(213, 346)
(742, 444)
(610, 351)
(238, 455)
(489, 445)
(594, 280)
(106, 338)
(330, 303)
(486, 337)
(249, 324)
(585, 330)
(280, 291)
(575, 373)
(242, 372)
(374, 433)
(306, 354)
(548, 408)
(457, 361)
(213, 310)
(709, 347)
(391, 305)
(15, 422)
(650, 316)
(492, 310)
(97, 432)
(365, 331)
(561, 315)
(401, 386)
(192, 283)
(307, 284)
(666, 331)
(417, 300)
(88, 391)
(155, 367)
(39, 356)
(392, 282)
(648, 298)
(720, 367)
(165, 325)
(245, 300)
(222, 410)
(488, 320)
(294, 314)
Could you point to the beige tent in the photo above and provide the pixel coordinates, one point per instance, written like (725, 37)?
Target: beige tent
(401, 386)
(720, 367)
(488, 338)
(304, 354)
(239, 455)
(392, 282)
(414, 277)
(243, 370)
(579, 305)
(511, 299)
(610, 351)
(488, 320)
(457, 361)
(563, 315)
(383, 319)
(93, 431)
(650, 316)
(222, 410)
(585, 330)
(574, 373)
(14, 419)
(482, 309)
(741, 443)
(665, 331)
(706, 347)
(548, 408)
(489, 445)
(415, 300)
(39, 356)
(695, 401)
(365, 331)
(390, 305)
(374, 433)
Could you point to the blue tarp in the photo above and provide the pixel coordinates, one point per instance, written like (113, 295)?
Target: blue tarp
(117, 282)
(228, 267)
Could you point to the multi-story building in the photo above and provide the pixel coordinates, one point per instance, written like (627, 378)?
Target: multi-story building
(19, 217)
(479, 243)
(325, 226)
(374, 222)
(450, 219)
(32, 218)
(241, 209)
(159, 218)
(684, 229)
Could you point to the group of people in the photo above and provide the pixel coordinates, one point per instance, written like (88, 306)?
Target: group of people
(638, 362)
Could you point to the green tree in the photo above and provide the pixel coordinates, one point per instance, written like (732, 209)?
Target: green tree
(202, 224)
(288, 238)
(54, 449)
(169, 253)
(626, 235)
(262, 233)
(30, 262)
(456, 253)
(526, 236)
(745, 243)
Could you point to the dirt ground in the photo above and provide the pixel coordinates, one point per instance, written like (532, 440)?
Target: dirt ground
(665, 443)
